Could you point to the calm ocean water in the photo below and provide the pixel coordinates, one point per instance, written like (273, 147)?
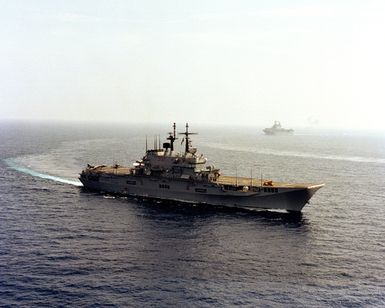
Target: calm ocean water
(60, 245)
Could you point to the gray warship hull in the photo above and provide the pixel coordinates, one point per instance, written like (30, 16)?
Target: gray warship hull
(166, 174)
(271, 132)
(277, 196)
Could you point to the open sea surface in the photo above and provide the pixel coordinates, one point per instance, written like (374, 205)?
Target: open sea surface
(62, 246)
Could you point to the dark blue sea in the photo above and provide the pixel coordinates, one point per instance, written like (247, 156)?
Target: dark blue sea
(63, 246)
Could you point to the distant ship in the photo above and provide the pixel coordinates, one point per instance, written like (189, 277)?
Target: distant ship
(165, 174)
(277, 129)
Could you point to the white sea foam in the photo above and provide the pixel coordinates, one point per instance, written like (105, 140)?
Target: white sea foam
(11, 163)
(359, 159)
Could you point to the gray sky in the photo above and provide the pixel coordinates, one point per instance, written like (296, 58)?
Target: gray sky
(237, 62)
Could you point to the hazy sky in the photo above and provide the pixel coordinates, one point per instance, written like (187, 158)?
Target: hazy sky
(237, 62)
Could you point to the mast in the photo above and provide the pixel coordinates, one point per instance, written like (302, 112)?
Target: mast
(187, 139)
(172, 137)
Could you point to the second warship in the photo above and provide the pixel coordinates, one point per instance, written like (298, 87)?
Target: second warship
(277, 129)
(166, 174)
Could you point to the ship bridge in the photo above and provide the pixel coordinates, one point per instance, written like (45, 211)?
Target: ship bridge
(167, 162)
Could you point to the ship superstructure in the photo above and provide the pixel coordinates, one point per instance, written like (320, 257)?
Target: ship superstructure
(166, 174)
(277, 129)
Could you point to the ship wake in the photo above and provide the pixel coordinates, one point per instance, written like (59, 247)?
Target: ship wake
(14, 165)
(357, 159)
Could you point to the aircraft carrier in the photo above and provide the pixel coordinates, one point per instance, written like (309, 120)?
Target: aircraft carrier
(165, 174)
